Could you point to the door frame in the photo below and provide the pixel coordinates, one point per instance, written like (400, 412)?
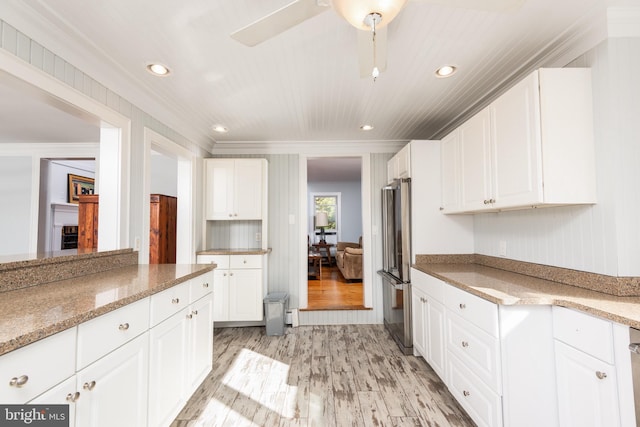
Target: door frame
(365, 193)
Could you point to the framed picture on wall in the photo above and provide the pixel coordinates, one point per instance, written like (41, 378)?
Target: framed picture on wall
(78, 186)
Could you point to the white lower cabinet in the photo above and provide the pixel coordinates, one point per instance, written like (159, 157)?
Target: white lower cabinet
(496, 360)
(113, 390)
(238, 287)
(592, 370)
(134, 366)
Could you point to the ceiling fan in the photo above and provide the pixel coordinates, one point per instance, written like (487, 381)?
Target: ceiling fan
(370, 17)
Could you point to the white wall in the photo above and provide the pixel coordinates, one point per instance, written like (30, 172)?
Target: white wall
(603, 238)
(15, 215)
(351, 204)
(164, 175)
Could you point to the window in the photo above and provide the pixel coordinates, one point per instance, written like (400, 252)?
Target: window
(330, 204)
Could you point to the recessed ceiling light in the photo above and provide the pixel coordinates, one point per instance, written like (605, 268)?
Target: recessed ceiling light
(446, 71)
(158, 69)
(220, 129)
(366, 127)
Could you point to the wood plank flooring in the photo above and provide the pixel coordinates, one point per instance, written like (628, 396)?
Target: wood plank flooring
(347, 375)
(334, 292)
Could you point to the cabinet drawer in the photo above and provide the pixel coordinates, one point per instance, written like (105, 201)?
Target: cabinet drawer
(168, 302)
(222, 261)
(476, 310)
(104, 334)
(590, 334)
(478, 350)
(200, 286)
(245, 261)
(480, 402)
(41, 365)
(430, 285)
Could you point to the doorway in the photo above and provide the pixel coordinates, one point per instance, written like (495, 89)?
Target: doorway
(335, 279)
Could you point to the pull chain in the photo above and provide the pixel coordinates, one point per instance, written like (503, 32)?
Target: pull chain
(376, 72)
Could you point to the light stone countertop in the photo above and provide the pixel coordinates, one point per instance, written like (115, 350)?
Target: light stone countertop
(30, 314)
(507, 288)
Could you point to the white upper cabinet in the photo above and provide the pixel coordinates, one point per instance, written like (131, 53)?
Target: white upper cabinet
(234, 189)
(531, 147)
(399, 166)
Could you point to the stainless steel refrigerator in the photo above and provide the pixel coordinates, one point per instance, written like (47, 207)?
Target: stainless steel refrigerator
(396, 252)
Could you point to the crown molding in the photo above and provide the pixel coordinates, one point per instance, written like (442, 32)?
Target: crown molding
(308, 147)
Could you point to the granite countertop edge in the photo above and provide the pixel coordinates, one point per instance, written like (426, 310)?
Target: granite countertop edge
(25, 338)
(508, 288)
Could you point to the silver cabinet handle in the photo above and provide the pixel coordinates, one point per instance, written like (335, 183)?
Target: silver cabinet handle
(466, 393)
(18, 381)
(89, 386)
(72, 397)
(465, 344)
(205, 285)
(189, 316)
(230, 274)
(244, 261)
(224, 275)
(486, 202)
(175, 301)
(462, 306)
(123, 326)
(601, 375)
(194, 312)
(230, 215)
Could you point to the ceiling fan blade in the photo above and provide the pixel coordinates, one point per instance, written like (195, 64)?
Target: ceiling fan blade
(365, 51)
(279, 21)
(488, 5)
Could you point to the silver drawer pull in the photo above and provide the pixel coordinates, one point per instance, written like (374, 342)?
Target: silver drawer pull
(465, 344)
(189, 316)
(123, 326)
(466, 393)
(230, 274)
(175, 301)
(244, 261)
(72, 397)
(89, 386)
(462, 306)
(601, 375)
(205, 285)
(19, 381)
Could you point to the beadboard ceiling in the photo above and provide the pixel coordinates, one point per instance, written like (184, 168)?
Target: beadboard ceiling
(304, 85)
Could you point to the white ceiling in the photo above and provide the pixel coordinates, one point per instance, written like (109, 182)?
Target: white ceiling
(303, 85)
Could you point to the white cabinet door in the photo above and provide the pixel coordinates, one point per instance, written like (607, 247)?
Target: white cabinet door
(517, 168)
(65, 393)
(167, 369)
(219, 189)
(248, 189)
(587, 389)
(450, 170)
(419, 319)
(220, 295)
(200, 353)
(403, 160)
(475, 162)
(245, 295)
(435, 337)
(114, 388)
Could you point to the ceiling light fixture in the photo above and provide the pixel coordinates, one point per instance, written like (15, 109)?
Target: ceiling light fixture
(366, 127)
(446, 71)
(220, 129)
(369, 15)
(355, 11)
(158, 69)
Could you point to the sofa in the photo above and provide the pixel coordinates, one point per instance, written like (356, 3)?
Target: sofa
(349, 259)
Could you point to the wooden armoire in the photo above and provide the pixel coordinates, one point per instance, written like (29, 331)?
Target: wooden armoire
(88, 221)
(162, 229)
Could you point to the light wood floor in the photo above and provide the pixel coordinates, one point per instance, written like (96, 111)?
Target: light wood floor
(334, 292)
(318, 376)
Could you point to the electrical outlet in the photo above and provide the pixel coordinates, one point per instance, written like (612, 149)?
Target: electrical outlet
(258, 236)
(136, 244)
(502, 250)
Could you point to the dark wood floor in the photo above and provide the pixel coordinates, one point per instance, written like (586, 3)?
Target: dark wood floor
(318, 376)
(334, 292)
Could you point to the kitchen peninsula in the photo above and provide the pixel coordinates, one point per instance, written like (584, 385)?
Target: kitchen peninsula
(133, 340)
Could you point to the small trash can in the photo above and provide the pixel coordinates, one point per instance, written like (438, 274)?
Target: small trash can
(275, 307)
